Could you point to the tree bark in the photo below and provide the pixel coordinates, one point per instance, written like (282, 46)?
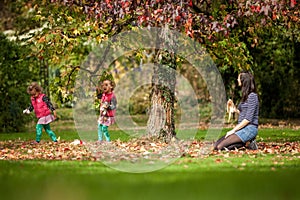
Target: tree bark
(161, 122)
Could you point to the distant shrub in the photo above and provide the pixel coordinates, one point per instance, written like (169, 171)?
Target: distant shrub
(16, 72)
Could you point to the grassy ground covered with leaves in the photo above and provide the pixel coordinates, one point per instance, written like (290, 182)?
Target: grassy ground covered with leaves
(67, 171)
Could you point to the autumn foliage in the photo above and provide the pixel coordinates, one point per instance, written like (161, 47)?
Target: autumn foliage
(25, 150)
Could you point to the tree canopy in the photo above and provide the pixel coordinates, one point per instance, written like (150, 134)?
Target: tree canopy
(262, 36)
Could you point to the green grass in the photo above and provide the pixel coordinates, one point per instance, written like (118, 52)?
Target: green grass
(67, 132)
(260, 176)
(266, 134)
(279, 135)
(185, 179)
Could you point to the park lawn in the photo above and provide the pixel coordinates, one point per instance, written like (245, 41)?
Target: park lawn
(217, 176)
(187, 178)
(69, 133)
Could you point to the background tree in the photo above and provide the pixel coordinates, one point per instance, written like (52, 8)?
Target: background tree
(235, 33)
(272, 35)
(16, 72)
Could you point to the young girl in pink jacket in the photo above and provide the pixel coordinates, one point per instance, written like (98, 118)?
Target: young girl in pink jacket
(43, 109)
(107, 109)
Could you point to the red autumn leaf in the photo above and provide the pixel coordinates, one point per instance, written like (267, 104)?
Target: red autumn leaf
(293, 3)
(177, 18)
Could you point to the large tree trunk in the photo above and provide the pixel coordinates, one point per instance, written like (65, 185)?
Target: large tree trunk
(161, 122)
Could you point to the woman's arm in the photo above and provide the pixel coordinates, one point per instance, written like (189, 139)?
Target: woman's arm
(252, 104)
(241, 125)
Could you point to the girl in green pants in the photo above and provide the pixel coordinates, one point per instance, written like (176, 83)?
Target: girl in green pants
(42, 107)
(107, 109)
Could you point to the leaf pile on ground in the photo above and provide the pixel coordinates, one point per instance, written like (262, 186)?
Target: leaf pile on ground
(132, 150)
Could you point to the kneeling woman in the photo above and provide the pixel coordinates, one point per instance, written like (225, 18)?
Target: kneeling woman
(247, 128)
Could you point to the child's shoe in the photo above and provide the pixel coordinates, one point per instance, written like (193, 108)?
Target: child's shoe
(34, 142)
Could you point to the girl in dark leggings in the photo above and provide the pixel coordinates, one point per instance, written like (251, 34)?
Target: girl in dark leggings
(247, 128)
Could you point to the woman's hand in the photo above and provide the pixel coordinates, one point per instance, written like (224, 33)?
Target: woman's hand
(229, 133)
(238, 127)
(237, 111)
